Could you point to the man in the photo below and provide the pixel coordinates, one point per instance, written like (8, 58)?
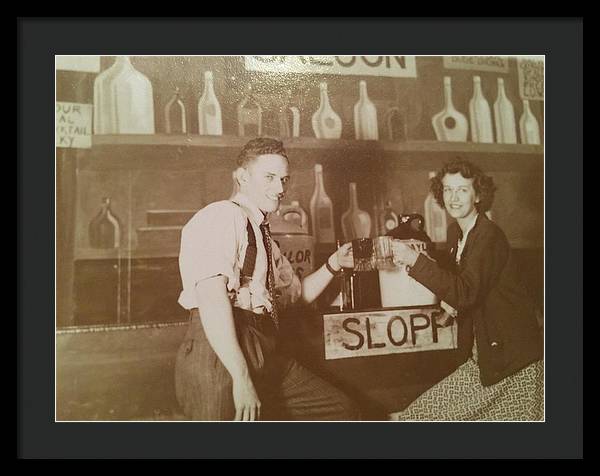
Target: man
(235, 282)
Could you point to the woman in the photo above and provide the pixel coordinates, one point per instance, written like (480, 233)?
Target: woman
(503, 377)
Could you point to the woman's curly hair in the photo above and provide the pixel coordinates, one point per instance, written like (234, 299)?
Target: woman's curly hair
(482, 183)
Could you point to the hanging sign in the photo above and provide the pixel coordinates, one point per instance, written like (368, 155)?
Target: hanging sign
(497, 64)
(531, 78)
(394, 66)
(85, 64)
(73, 125)
(366, 333)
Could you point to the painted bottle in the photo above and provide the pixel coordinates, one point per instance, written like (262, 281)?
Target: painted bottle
(389, 219)
(123, 100)
(435, 218)
(504, 117)
(105, 229)
(365, 116)
(450, 124)
(356, 223)
(480, 117)
(326, 123)
(209, 109)
(528, 125)
(175, 121)
(321, 210)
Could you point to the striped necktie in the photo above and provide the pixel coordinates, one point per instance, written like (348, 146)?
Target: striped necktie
(266, 234)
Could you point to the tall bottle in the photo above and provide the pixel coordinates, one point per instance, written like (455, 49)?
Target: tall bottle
(356, 223)
(528, 125)
(389, 219)
(295, 121)
(249, 113)
(450, 124)
(435, 218)
(209, 109)
(104, 98)
(123, 100)
(480, 117)
(321, 210)
(504, 117)
(325, 122)
(105, 228)
(365, 115)
(175, 121)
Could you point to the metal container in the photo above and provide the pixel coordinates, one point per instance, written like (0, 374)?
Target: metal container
(293, 240)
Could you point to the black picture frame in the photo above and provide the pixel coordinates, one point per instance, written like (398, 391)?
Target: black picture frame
(560, 436)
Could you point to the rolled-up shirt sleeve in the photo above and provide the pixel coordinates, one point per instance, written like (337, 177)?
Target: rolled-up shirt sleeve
(210, 246)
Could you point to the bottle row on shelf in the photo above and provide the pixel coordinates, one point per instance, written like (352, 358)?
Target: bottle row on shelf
(124, 104)
(451, 125)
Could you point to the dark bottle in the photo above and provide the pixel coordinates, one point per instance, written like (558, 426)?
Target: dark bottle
(105, 228)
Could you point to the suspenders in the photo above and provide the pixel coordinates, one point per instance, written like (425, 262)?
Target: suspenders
(251, 250)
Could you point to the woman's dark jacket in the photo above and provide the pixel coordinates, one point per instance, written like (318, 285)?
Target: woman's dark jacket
(486, 287)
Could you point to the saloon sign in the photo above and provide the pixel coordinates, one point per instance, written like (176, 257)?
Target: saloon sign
(360, 334)
(394, 66)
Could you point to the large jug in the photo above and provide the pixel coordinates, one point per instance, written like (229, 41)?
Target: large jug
(123, 100)
(293, 239)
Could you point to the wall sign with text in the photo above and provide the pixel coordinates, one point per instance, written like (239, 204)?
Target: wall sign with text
(394, 66)
(531, 79)
(497, 64)
(73, 125)
(366, 333)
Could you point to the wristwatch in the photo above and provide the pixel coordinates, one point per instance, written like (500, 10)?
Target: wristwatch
(331, 270)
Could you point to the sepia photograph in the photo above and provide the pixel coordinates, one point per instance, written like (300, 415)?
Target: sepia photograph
(300, 238)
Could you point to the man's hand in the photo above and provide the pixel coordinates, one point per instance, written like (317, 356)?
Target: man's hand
(245, 399)
(342, 258)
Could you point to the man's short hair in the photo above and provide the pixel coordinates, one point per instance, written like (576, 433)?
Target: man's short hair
(260, 146)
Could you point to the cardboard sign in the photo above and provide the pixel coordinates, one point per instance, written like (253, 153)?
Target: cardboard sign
(531, 78)
(394, 66)
(73, 125)
(366, 333)
(497, 64)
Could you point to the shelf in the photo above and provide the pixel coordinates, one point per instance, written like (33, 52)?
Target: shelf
(462, 147)
(187, 152)
(308, 143)
(237, 142)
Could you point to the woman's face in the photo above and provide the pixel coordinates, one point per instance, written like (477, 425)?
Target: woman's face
(459, 196)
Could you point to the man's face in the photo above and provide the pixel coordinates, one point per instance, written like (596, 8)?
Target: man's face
(264, 181)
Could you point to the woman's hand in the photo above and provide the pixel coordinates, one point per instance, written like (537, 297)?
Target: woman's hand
(342, 258)
(403, 254)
